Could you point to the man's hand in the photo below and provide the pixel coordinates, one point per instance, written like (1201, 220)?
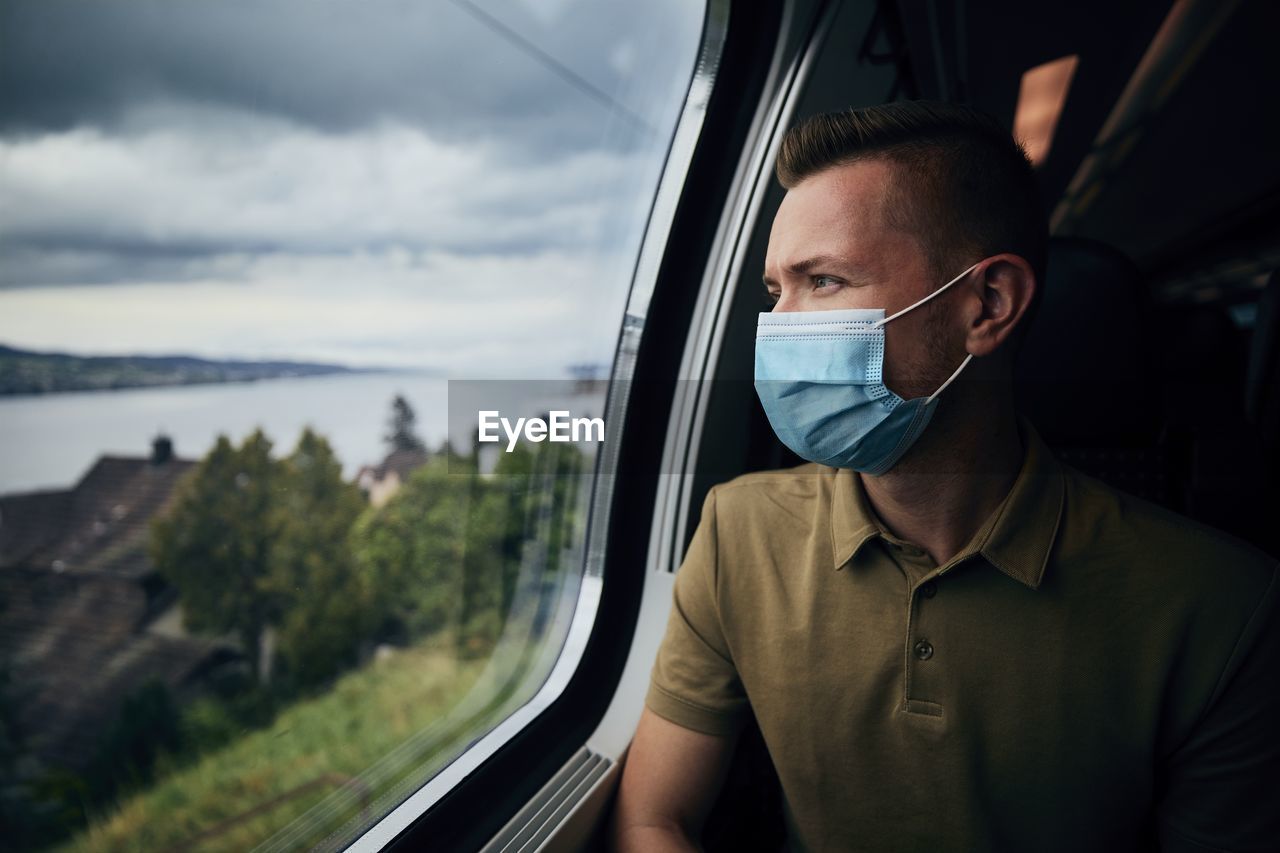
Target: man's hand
(670, 780)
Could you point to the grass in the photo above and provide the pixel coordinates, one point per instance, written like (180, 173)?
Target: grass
(309, 757)
(330, 764)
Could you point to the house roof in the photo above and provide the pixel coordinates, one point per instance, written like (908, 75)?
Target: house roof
(402, 462)
(100, 525)
(74, 625)
(30, 522)
(77, 648)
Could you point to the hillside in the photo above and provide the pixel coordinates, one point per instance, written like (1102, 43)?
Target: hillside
(335, 752)
(26, 372)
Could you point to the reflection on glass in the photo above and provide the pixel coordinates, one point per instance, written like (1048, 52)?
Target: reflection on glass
(255, 590)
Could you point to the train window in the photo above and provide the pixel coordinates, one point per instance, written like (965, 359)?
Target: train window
(261, 576)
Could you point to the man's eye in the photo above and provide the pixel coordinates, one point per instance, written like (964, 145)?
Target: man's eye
(824, 280)
(772, 298)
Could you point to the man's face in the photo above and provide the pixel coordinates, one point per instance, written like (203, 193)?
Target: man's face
(832, 246)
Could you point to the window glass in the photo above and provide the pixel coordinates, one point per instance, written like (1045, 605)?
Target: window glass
(259, 580)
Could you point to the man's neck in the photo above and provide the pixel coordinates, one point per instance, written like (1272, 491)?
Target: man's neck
(955, 476)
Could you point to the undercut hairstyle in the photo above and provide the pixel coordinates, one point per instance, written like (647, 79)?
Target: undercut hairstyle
(961, 183)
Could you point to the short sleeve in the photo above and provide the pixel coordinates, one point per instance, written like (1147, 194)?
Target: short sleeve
(694, 682)
(1219, 792)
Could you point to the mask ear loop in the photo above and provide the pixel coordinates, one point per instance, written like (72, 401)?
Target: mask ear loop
(898, 314)
(944, 385)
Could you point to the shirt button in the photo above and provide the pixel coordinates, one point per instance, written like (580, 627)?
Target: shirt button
(924, 650)
(928, 589)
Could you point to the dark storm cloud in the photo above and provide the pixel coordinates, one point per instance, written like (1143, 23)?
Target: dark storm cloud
(73, 259)
(333, 65)
(179, 141)
(174, 204)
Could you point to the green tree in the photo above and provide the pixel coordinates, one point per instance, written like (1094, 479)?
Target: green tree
(411, 551)
(326, 607)
(446, 552)
(215, 544)
(490, 553)
(146, 725)
(523, 519)
(402, 434)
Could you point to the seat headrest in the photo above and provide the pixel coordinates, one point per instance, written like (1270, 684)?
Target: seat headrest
(1082, 375)
(1201, 354)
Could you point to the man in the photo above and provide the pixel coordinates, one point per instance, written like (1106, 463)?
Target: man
(949, 640)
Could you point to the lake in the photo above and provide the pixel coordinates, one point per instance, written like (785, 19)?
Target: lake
(49, 441)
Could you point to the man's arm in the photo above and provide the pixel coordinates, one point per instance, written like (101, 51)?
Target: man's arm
(1219, 787)
(670, 780)
(692, 714)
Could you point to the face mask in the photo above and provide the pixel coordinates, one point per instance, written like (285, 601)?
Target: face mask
(820, 377)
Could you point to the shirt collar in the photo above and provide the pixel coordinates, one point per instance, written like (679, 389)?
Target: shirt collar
(1016, 539)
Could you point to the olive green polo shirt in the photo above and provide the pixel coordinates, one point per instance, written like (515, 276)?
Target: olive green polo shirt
(1091, 672)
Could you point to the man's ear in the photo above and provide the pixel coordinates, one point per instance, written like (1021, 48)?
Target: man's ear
(1005, 286)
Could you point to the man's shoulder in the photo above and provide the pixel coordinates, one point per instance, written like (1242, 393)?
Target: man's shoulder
(1156, 544)
(795, 487)
(772, 512)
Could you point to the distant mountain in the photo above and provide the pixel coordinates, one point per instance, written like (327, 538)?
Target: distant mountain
(24, 372)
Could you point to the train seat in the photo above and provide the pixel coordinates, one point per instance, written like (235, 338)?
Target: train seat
(1084, 378)
(1201, 372)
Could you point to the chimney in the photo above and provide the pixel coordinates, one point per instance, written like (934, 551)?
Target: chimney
(161, 449)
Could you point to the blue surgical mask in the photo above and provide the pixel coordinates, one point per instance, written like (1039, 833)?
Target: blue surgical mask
(820, 377)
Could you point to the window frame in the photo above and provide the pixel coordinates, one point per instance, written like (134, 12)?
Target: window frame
(800, 48)
(470, 800)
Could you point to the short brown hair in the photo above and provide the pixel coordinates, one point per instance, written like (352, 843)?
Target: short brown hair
(964, 185)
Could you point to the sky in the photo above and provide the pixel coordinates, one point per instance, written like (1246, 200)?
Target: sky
(454, 185)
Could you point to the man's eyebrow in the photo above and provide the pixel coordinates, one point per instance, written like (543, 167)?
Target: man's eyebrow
(808, 264)
(802, 267)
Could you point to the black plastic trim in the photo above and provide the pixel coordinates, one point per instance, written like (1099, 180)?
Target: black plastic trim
(474, 811)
